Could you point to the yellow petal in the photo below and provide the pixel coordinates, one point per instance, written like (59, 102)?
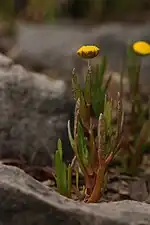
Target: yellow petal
(88, 52)
(141, 47)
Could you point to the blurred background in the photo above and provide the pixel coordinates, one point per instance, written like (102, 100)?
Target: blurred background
(96, 10)
(43, 35)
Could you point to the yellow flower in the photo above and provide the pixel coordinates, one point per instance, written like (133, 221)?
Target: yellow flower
(141, 48)
(88, 51)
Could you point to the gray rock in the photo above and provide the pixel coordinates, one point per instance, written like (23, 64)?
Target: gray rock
(25, 201)
(54, 46)
(34, 111)
(5, 61)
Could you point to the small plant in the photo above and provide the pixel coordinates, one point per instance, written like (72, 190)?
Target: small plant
(102, 129)
(95, 142)
(63, 173)
(138, 118)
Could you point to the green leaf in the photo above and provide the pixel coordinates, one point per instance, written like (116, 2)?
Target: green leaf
(107, 82)
(97, 90)
(98, 73)
(75, 86)
(133, 70)
(102, 70)
(59, 147)
(98, 102)
(82, 148)
(75, 147)
(61, 170)
(64, 179)
(69, 179)
(83, 108)
(87, 89)
(58, 166)
(70, 136)
(108, 116)
(92, 152)
(108, 126)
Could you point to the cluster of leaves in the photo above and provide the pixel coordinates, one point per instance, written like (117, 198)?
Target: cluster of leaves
(63, 173)
(102, 130)
(138, 119)
(95, 141)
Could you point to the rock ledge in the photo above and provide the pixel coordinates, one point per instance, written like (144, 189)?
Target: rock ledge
(24, 201)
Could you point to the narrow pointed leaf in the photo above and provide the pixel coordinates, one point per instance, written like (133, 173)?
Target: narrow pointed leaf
(102, 70)
(70, 136)
(82, 147)
(108, 82)
(108, 116)
(58, 164)
(64, 183)
(97, 90)
(98, 102)
(60, 173)
(69, 179)
(61, 169)
(59, 147)
(84, 114)
(76, 89)
(92, 152)
(87, 90)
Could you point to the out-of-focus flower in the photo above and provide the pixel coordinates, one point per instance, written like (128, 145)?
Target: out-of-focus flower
(88, 51)
(141, 48)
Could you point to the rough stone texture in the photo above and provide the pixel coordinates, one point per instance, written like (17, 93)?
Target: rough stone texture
(5, 61)
(24, 201)
(54, 46)
(34, 111)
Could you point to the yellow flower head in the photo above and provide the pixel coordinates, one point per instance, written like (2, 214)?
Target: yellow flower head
(141, 48)
(88, 51)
